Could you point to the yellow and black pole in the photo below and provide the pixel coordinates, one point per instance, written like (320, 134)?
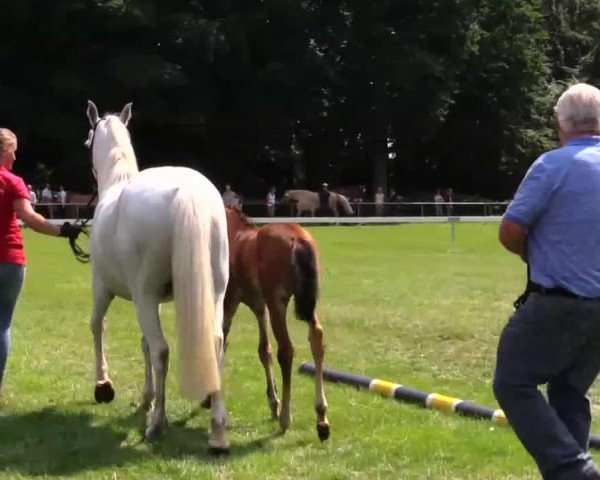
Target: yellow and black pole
(428, 400)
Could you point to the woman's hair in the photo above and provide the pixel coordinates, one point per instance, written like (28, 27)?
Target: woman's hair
(578, 109)
(8, 140)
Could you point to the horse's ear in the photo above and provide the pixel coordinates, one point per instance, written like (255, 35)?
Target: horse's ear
(92, 113)
(126, 114)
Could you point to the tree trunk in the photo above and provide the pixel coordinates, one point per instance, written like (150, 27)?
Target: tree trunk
(378, 158)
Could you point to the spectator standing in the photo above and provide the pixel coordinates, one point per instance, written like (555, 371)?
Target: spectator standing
(439, 200)
(230, 198)
(271, 202)
(379, 202)
(32, 195)
(47, 199)
(449, 197)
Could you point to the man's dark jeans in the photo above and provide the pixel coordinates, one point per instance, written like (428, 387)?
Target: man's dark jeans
(553, 340)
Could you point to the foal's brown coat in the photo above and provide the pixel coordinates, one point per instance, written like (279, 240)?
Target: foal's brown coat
(267, 266)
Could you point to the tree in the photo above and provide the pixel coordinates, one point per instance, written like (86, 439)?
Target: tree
(500, 120)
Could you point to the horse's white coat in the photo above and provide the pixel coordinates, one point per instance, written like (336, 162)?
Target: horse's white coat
(160, 234)
(308, 201)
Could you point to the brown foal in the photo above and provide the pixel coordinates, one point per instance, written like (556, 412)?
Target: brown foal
(267, 266)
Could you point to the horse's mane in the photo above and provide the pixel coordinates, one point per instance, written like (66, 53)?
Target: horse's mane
(122, 157)
(244, 220)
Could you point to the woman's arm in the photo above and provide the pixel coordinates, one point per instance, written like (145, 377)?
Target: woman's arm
(24, 210)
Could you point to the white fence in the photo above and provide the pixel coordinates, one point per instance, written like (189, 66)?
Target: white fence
(357, 221)
(349, 220)
(392, 210)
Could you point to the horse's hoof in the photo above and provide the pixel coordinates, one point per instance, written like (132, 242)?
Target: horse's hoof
(154, 432)
(206, 403)
(283, 426)
(104, 392)
(218, 451)
(323, 431)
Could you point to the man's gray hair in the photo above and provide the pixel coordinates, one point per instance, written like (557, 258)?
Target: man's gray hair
(578, 109)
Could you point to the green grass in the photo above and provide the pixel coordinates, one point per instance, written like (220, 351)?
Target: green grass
(396, 304)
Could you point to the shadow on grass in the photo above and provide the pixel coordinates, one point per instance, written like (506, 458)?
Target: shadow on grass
(54, 442)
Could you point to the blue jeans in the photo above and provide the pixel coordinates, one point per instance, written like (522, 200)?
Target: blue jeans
(551, 340)
(11, 281)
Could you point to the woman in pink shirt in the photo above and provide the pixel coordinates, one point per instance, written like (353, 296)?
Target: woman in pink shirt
(15, 202)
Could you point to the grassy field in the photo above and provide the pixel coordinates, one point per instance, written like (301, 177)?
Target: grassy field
(396, 304)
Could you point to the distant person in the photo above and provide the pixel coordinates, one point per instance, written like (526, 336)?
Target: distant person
(379, 202)
(449, 200)
(47, 198)
(32, 195)
(47, 194)
(15, 201)
(230, 198)
(324, 195)
(439, 200)
(62, 200)
(271, 202)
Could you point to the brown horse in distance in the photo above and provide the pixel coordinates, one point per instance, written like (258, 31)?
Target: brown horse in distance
(267, 266)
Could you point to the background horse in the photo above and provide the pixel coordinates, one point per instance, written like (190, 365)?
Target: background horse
(268, 266)
(158, 235)
(308, 201)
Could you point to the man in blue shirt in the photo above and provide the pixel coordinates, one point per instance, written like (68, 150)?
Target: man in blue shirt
(553, 337)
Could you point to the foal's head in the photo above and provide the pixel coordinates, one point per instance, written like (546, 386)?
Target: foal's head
(237, 222)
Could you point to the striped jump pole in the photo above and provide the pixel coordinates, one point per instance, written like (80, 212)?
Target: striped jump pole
(410, 395)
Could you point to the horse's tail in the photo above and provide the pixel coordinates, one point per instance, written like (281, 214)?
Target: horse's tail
(343, 201)
(193, 293)
(306, 268)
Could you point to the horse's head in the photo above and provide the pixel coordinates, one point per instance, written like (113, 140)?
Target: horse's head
(288, 197)
(110, 146)
(345, 204)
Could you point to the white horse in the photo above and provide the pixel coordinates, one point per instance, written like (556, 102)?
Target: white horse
(159, 235)
(309, 201)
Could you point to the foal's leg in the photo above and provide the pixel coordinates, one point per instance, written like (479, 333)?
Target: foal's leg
(277, 306)
(147, 314)
(230, 306)
(103, 392)
(315, 337)
(264, 353)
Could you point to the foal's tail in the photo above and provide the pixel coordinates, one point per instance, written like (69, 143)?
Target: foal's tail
(343, 201)
(193, 293)
(307, 280)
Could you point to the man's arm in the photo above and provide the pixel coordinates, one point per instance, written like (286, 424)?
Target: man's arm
(529, 203)
(513, 237)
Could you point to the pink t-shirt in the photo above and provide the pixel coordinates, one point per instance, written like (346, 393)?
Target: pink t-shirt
(12, 187)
